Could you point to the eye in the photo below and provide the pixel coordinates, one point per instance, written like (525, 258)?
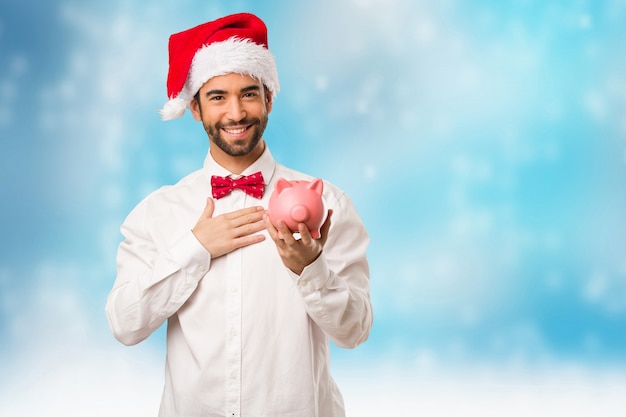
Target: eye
(216, 98)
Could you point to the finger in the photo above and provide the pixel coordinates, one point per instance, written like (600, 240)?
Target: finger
(285, 233)
(209, 208)
(247, 240)
(270, 227)
(325, 228)
(246, 215)
(305, 234)
(250, 228)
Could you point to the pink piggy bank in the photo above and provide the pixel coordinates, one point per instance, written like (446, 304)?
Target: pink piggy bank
(296, 202)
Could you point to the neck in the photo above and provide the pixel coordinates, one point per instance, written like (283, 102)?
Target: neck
(237, 164)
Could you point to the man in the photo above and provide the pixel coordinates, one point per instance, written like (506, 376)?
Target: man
(250, 307)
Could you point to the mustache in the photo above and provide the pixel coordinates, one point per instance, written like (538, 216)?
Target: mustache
(245, 121)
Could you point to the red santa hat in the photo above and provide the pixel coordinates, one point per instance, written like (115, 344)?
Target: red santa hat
(231, 44)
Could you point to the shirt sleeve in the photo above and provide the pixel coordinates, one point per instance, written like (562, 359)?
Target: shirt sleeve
(335, 287)
(152, 282)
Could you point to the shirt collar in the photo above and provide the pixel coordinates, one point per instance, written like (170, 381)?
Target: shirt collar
(265, 163)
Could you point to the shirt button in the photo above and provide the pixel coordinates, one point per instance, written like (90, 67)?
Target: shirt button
(233, 332)
(233, 375)
(234, 288)
(303, 282)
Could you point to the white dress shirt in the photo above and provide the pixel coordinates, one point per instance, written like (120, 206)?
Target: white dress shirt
(245, 336)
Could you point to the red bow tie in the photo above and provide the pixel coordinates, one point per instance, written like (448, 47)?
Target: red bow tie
(252, 185)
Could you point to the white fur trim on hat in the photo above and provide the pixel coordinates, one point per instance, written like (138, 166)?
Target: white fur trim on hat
(173, 109)
(233, 55)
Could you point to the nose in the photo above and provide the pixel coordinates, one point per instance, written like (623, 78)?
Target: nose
(236, 110)
(300, 213)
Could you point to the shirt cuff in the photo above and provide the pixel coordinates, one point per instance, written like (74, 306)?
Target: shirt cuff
(314, 276)
(189, 254)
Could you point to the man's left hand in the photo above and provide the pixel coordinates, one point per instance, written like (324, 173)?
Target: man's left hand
(297, 253)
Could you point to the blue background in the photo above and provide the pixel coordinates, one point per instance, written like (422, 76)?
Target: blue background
(483, 144)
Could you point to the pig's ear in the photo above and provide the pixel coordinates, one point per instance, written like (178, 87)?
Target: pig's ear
(316, 185)
(281, 184)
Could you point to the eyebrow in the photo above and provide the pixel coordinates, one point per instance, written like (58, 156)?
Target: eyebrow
(222, 92)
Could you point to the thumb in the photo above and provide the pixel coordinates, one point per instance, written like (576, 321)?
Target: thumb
(326, 226)
(209, 208)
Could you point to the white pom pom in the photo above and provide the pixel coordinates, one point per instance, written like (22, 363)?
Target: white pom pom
(173, 109)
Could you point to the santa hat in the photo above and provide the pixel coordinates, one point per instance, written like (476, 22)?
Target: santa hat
(231, 44)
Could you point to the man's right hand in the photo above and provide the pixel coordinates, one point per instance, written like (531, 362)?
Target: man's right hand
(225, 233)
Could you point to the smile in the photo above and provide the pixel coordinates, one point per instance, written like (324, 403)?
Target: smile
(235, 131)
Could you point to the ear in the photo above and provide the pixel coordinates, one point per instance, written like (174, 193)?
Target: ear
(316, 185)
(281, 184)
(196, 109)
(269, 99)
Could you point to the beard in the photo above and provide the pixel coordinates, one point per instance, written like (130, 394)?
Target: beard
(239, 147)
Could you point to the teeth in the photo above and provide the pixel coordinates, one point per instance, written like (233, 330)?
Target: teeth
(235, 131)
